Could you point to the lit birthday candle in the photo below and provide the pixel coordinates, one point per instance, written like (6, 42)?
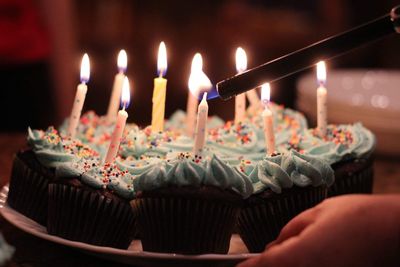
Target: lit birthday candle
(322, 94)
(113, 106)
(80, 96)
(198, 81)
(268, 119)
(201, 127)
(159, 91)
(120, 124)
(240, 100)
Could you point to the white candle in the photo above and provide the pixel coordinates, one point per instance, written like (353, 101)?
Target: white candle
(198, 81)
(119, 125)
(240, 100)
(79, 97)
(201, 128)
(268, 120)
(113, 105)
(159, 91)
(254, 99)
(322, 110)
(191, 114)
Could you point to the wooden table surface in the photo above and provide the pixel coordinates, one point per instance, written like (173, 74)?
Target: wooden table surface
(32, 251)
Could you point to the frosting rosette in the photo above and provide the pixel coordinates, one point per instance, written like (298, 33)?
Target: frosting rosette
(342, 142)
(186, 170)
(92, 130)
(51, 149)
(99, 176)
(305, 170)
(283, 171)
(139, 143)
(233, 142)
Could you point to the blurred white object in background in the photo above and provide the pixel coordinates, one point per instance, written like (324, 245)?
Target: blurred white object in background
(369, 96)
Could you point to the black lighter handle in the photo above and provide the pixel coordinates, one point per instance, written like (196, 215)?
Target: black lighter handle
(395, 16)
(307, 57)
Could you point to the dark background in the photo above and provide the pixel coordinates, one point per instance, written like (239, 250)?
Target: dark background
(42, 89)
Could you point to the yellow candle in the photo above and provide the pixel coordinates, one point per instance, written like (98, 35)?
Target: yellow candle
(79, 97)
(159, 91)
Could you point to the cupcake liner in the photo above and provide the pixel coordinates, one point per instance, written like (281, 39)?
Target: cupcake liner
(28, 189)
(185, 224)
(263, 216)
(355, 177)
(87, 216)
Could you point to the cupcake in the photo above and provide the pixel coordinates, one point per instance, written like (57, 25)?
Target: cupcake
(284, 186)
(189, 205)
(349, 149)
(89, 202)
(33, 168)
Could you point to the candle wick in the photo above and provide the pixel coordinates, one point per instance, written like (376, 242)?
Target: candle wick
(124, 106)
(265, 103)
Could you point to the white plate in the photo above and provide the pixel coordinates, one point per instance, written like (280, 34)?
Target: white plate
(134, 254)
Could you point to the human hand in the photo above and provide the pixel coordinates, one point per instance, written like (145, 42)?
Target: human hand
(352, 230)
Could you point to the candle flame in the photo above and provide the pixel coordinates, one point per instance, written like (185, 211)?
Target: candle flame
(126, 95)
(241, 60)
(265, 93)
(85, 69)
(321, 72)
(197, 63)
(162, 60)
(122, 61)
(198, 80)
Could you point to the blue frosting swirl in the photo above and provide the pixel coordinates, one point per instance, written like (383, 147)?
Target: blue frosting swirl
(99, 176)
(187, 171)
(52, 150)
(284, 171)
(343, 142)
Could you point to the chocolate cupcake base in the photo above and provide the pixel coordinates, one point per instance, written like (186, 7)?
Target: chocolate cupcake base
(89, 216)
(187, 220)
(28, 187)
(265, 214)
(352, 177)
